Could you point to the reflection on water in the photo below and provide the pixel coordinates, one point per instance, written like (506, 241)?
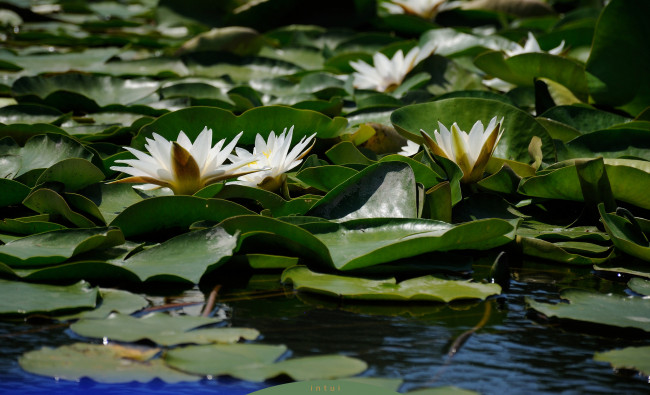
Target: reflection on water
(509, 354)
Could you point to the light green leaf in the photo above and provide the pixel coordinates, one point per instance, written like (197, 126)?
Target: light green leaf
(428, 288)
(48, 248)
(612, 310)
(38, 298)
(104, 364)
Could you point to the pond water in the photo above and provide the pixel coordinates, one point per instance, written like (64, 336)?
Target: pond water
(511, 353)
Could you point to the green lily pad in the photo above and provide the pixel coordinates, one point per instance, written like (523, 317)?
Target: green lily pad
(609, 143)
(584, 119)
(222, 359)
(629, 180)
(637, 268)
(522, 70)
(74, 91)
(37, 63)
(40, 152)
(276, 205)
(104, 364)
(226, 125)
(53, 247)
(321, 367)
(575, 253)
(38, 298)
(112, 199)
(612, 310)
(264, 261)
(46, 201)
(257, 233)
(21, 132)
(367, 242)
(381, 190)
(238, 68)
(161, 329)
(173, 213)
(113, 301)
(615, 71)
(530, 228)
(625, 235)
(519, 126)
(198, 252)
(29, 225)
(631, 358)
(13, 192)
(325, 178)
(428, 288)
(29, 114)
(73, 173)
(639, 286)
(236, 39)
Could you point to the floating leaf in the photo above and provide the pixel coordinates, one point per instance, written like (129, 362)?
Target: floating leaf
(639, 286)
(261, 120)
(612, 310)
(631, 358)
(576, 253)
(73, 173)
(626, 235)
(113, 301)
(321, 367)
(615, 69)
(325, 178)
(29, 225)
(13, 192)
(187, 256)
(40, 152)
(46, 201)
(56, 246)
(629, 181)
(522, 70)
(428, 288)
(222, 359)
(104, 364)
(161, 329)
(384, 190)
(38, 298)
(74, 91)
(173, 213)
(584, 119)
(371, 241)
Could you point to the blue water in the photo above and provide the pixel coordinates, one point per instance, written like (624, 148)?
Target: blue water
(511, 354)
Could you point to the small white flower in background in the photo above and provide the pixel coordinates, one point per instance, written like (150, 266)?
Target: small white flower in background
(411, 148)
(387, 74)
(531, 46)
(271, 159)
(423, 8)
(470, 151)
(180, 165)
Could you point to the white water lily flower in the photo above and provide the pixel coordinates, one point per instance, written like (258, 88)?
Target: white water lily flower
(271, 159)
(470, 151)
(388, 74)
(531, 46)
(423, 8)
(180, 165)
(411, 148)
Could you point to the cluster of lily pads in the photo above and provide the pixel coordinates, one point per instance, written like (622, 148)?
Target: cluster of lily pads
(367, 153)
